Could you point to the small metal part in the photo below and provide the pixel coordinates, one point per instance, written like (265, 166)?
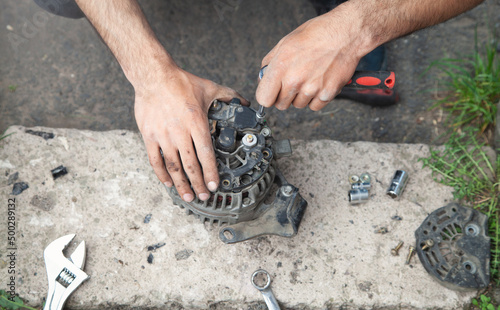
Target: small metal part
(59, 172)
(411, 251)
(365, 178)
(249, 140)
(353, 179)
(398, 184)
(381, 230)
(266, 132)
(364, 185)
(428, 244)
(460, 255)
(261, 280)
(358, 196)
(395, 250)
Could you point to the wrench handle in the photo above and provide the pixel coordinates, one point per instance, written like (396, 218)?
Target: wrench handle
(271, 302)
(372, 80)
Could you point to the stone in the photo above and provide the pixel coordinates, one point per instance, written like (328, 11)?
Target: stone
(336, 260)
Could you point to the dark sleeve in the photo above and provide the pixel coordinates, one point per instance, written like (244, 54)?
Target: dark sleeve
(65, 8)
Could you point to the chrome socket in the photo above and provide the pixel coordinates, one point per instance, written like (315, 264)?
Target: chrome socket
(358, 196)
(398, 184)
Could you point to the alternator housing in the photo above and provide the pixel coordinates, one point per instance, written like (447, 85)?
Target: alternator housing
(246, 157)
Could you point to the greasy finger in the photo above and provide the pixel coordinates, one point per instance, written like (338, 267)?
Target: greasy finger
(193, 171)
(174, 168)
(286, 96)
(206, 156)
(156, 161)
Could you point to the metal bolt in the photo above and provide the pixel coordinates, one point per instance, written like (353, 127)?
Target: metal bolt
(266, 132)
(395, 251)
(428, 244)
(287, 190)
(240, 109)
(410, 254)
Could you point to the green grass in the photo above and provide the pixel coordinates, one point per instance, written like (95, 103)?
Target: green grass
(12, 88)
(484, 303)
(14, 304)
(475, 178)
(472, 88)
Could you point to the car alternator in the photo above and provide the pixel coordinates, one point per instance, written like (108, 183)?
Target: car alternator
(253, 197)
(454, 247)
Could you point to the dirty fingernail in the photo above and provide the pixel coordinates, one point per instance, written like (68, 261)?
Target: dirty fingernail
(187, 197)
(168, 184)
(212, 186)
(204, 196)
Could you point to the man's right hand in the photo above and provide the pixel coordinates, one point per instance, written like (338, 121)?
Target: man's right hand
(171, 114)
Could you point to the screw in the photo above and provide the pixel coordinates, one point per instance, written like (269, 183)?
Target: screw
(240, 109)
(428, 243)
(410, 254)
(395, 251)
(382, 230)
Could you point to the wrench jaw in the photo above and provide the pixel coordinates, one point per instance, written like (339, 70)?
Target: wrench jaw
(64, 275)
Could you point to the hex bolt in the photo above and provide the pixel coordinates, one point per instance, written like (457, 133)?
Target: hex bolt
(395, 251)
(410, 254)
(287, 190)
(428, 244)
(266, 132)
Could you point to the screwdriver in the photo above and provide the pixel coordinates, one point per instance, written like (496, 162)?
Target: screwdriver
(360, 80)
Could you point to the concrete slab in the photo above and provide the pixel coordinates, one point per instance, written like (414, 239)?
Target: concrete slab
(336, 260)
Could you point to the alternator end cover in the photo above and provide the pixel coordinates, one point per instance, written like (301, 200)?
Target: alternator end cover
(454, 247)
(253, 197)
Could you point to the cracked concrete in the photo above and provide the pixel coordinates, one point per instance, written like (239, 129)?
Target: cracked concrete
(336, 260)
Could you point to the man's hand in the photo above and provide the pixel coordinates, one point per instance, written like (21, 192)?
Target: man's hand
(172, 117)
(310, 65)
(171, 105)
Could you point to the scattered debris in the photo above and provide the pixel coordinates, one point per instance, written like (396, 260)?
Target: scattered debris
(45, 135)
(184, 254)
(396, 218)
(150, 258)
(156, 246)
(19, 187)
(382, 230)
(59, 172)
(12, 178)
(147, 219)
(10, 28)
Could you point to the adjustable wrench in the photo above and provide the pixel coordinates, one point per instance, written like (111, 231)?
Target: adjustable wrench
(271, 302)
(64, 274)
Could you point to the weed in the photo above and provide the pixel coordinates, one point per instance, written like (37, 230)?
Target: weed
(12, 88)
(475, 178)
(12, 304)
(484, 303)
(5, 136)
(473, 90)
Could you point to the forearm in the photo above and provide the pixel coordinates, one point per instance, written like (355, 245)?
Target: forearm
(124, 28)
(379, 21)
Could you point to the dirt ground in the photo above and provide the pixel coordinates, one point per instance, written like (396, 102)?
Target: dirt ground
(65, 77)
